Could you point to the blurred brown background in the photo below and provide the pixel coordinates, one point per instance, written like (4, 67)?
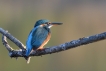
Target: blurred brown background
(81, 18)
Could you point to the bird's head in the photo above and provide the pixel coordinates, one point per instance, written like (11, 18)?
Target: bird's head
(47, 23)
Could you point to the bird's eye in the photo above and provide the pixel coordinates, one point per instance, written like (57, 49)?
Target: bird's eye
(49, 23)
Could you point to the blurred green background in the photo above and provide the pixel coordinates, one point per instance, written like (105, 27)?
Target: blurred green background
(81, 18)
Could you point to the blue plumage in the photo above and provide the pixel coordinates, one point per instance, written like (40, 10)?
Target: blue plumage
(39, 35)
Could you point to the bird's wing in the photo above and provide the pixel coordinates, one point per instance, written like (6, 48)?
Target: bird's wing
(28, 42)
(38, 37)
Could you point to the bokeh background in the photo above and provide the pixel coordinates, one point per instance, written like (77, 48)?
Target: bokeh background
(81, 18)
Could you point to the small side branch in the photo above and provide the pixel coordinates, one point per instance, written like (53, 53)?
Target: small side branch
(5, 43)
(10, 49)
(54, 49)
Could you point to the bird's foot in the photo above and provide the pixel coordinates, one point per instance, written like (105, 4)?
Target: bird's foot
(40, 49)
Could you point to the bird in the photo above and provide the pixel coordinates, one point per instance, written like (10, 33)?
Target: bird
(39, 35)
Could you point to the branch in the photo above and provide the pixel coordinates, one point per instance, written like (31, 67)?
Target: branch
(13, 39)
(53, 49)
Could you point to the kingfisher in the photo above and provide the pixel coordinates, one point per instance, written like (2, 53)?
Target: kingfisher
(39, 35)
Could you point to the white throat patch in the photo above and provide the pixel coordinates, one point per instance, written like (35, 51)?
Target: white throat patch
(50, 26)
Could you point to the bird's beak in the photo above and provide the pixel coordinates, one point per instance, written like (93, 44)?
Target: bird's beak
(53, 24)
(56, 23)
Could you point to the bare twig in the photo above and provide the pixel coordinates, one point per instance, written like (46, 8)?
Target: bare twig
(5, 43)
(54, 49)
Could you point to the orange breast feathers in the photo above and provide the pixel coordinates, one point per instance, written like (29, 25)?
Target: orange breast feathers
(45, 42)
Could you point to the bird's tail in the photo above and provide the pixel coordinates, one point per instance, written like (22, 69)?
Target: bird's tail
(28, 59)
